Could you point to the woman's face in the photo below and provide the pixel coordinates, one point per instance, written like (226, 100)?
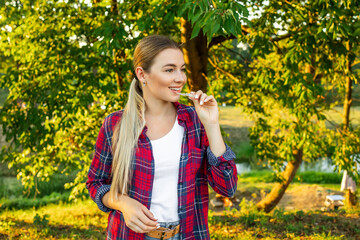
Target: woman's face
(166, 76)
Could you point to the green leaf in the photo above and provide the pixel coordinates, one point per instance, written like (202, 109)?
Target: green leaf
(247, 21)
(214, 28)
(184, 8)
(238, 28)
(196, 17)
(196, 30)
(357, 32)
(227, 25)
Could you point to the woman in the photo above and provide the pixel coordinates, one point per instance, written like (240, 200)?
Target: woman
(153, 159)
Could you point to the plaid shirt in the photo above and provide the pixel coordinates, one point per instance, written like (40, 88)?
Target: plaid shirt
(198, 167)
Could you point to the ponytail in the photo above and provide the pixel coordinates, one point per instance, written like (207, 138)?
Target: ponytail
(125, 138)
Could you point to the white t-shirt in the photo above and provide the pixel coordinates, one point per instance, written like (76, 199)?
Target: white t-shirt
(167, 153)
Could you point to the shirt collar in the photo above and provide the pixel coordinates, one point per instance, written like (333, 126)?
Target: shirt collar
(181, 112)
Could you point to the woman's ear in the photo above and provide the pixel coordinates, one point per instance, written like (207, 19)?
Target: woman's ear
(140, 73)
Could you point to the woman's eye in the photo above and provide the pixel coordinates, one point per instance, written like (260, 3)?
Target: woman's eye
(168, 70)
(184, 70)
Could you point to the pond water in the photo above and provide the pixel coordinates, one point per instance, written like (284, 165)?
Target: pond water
(322, 165)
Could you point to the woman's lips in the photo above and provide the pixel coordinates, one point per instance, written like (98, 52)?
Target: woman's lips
(175, 90)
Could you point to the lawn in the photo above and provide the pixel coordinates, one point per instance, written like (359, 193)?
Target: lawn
(82, 220)
(233, 117)
(299, 215)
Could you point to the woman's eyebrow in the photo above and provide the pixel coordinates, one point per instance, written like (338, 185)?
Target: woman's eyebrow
(172, 65)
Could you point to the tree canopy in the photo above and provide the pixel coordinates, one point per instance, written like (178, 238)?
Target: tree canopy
(72, 67)
(70, 64)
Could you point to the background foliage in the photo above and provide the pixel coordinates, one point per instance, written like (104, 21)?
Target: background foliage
(67, 64)
(71, 66)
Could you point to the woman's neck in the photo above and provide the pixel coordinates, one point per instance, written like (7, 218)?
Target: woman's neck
(159, 109)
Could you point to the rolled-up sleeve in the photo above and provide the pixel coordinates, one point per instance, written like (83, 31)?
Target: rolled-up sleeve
(226, 156)
(99, 175)
(221, 171)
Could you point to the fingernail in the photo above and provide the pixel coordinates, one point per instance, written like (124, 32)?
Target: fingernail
(196, 96)
(157, 226)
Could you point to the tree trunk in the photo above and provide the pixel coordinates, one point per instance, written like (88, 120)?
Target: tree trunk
(348, 93)
(277, 192)
(350, 198)
(196, 57)
(117, 54)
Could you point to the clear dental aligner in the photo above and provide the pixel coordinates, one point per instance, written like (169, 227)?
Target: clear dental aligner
(186, 94)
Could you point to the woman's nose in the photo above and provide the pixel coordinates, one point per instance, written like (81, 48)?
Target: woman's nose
(180, 76)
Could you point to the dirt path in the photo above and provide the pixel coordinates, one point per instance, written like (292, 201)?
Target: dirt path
(302, 197)
(308, 197)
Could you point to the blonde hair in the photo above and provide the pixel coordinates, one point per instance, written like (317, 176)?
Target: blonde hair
(129, 128)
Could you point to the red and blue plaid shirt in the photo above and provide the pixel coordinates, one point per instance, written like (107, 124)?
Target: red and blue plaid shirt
(198, 167)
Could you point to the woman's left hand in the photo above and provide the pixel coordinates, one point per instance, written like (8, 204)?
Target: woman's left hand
(206, 107)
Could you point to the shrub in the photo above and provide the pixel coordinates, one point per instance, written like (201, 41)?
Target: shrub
(318, 177)
(305, 177)
(257, 176)
(25, 203)
(56, 184)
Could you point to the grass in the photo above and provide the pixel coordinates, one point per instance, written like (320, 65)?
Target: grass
(250, 224)
(83, 220)
(336, 114)
(302, 177)
(51, 217)
(231, 116)
(236, 124)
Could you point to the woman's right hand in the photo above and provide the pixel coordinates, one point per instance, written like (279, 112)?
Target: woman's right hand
(137, 217)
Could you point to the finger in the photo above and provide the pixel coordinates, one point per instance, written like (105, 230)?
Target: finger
(149, 214)
(191, 96)
(135, 228)
(209, 98)
(143, 227)
(146, 220)
(198, 94)
(195, 97)
(202, 98)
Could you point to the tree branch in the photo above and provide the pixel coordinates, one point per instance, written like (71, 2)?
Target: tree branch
(277, 47)
(225, 72)
(355, 63)
(245, 30)
(237, 53)
(282, 37)
(219, 39)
